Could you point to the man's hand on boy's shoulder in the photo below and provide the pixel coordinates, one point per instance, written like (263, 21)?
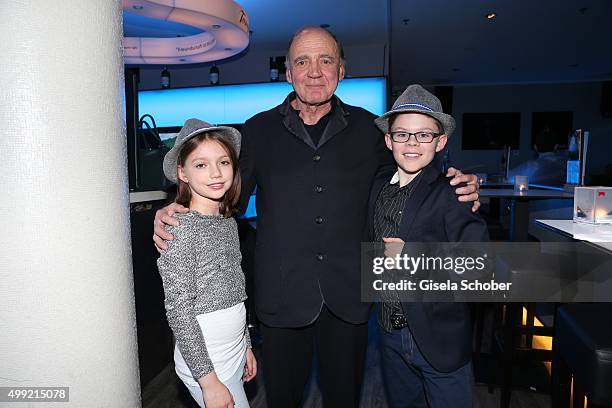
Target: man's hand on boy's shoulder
(163, 217)
(469, 186)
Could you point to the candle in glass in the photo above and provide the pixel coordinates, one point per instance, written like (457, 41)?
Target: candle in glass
(521, 183)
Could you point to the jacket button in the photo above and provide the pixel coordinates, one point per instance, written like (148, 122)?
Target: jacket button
(318, 189)
(319, 220)
(316, 158)
(320, 257)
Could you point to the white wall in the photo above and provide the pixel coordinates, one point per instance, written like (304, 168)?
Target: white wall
(581, 98)
(66, 298)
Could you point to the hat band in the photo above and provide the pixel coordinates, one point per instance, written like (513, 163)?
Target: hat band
(413, 105)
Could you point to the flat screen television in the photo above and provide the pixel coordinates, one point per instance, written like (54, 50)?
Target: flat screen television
(234, 104)
(491, 131)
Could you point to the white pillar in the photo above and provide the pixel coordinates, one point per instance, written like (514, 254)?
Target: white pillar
(66, 287)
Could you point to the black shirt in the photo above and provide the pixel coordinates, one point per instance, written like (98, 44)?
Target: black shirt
(316, 131)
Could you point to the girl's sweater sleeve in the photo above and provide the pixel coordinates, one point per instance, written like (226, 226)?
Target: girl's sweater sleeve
(178, 269)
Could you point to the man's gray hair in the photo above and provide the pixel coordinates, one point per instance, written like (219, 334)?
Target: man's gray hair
(301, 30)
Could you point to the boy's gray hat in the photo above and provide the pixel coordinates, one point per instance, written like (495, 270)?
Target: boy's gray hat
(191, 128)
(417, 99)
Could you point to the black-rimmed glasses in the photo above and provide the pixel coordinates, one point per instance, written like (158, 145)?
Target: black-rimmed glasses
(421, 137)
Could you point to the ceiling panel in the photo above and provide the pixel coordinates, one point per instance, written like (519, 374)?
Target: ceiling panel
(444, 41)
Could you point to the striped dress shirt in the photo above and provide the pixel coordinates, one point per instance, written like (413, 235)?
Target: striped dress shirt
(388, 213)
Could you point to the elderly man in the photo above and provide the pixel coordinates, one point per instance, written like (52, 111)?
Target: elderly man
(313, 159)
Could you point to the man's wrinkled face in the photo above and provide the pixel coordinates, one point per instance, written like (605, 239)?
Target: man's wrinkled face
(314, 67)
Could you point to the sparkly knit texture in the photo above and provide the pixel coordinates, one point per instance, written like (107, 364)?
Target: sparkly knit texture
(201, 274)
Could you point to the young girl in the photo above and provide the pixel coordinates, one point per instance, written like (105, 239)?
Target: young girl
(203, 281)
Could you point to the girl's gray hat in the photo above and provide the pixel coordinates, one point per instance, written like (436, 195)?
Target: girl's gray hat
(418, 100)
(191, 128)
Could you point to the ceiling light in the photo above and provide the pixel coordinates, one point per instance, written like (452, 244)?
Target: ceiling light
(491, 15)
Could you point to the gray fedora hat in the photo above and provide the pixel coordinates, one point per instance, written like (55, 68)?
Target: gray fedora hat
(418, 100)
(191, 128)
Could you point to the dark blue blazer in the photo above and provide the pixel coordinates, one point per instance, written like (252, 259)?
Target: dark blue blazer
(442, 331)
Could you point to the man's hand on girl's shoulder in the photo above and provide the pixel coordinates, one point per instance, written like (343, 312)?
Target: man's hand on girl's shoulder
(163, 217)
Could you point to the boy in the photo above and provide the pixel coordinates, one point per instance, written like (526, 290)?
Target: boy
(425, 347)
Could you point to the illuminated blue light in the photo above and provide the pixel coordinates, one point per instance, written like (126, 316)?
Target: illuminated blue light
(251, 211)
(573, 172)
(234, 104)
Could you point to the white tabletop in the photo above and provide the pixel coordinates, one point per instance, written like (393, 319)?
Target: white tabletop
(527, 194)
(142, 196)
(598, 234)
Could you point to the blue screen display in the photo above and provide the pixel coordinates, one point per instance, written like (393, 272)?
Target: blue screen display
(234, 104)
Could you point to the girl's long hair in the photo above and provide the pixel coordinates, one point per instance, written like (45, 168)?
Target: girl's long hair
(229, 201)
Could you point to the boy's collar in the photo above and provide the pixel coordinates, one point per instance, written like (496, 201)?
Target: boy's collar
(395, 178)
(429, 174)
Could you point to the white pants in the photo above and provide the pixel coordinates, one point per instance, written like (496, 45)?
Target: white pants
(224, 335)
(234, 384)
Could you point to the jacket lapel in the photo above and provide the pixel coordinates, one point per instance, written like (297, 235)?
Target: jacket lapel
(337, 123)
(294, 124)
(422, 190)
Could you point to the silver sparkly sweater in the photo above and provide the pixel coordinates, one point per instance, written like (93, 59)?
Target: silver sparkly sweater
(201, 273)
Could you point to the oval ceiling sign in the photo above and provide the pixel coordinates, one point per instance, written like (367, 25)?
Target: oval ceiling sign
(224, 25)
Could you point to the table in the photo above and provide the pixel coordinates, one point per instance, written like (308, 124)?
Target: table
(598, 235)
(142, 196)
(519, 211)
(499, 185)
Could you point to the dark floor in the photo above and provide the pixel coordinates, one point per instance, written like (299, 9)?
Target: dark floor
(166, 390)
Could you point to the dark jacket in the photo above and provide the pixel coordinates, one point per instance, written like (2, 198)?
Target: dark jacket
(442, 331)
(312, 208)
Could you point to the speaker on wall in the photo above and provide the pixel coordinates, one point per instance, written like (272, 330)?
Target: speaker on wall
(606, 99)
(445, 94)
